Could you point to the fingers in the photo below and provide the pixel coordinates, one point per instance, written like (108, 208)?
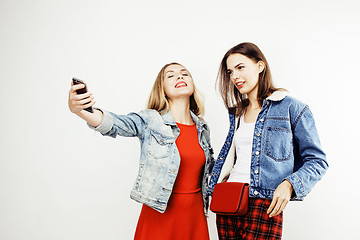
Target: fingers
(78, 102)
(76, 87)
(272, 205)
(277, 206)
(81, 98)
(280, 199)
(90, 104)
(77, 106)
(85, 101)
(74, 95)
(84, 96)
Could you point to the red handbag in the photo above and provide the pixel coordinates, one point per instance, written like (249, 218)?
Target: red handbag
(230, 198)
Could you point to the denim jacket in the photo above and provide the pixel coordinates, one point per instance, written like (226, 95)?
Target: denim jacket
(159, 158)
(286, 146)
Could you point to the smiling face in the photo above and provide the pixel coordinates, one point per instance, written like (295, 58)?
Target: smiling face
(178, 82)
(244, 73)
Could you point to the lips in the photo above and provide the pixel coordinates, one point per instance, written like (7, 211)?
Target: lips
(180, 84)
(239, 84)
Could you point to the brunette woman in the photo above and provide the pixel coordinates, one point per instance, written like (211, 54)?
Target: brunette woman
(176, 155)
(272, 144)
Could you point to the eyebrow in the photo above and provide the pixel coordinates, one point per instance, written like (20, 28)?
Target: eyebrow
(236, 65)
(182, 70)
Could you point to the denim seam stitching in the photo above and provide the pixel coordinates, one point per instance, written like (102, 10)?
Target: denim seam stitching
(268, 154)
(302, 187)
(278, 118)
(279, 128)
(300, 115)
(123, 129)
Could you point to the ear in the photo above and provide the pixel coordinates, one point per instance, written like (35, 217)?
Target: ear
(261, 66)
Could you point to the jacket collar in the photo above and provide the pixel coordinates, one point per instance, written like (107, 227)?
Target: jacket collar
(278, 95)
(169, 120)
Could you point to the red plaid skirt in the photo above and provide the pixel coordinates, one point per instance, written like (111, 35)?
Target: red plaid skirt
(256, 224)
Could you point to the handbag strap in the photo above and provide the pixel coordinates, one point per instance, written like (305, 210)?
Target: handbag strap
(222, 155)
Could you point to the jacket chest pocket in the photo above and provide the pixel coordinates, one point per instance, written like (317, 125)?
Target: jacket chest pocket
(159, 144)
(278, 144)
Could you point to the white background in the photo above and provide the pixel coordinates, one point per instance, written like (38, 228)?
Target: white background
(60, 180)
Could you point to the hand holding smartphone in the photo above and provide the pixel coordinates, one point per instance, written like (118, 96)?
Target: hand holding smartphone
(82, 91)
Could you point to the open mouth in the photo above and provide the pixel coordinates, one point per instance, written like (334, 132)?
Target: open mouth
(240, 84)
(180, 84)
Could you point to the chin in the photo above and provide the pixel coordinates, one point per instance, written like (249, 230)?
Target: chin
(243, 91)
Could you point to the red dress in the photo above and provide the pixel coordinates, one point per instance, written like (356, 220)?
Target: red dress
(184, 217)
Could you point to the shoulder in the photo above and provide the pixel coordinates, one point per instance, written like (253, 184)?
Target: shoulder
(293, 102)
(281, 98)
(149, 113)
(295, 107)
(149, 116)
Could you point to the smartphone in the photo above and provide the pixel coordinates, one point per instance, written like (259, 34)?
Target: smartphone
(82, 91)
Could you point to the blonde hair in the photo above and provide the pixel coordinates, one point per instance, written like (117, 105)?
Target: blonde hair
(158, 99)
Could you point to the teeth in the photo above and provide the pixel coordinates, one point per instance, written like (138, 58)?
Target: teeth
(239, 83)
(180, 84)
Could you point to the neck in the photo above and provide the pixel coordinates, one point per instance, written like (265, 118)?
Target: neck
(253, 104)
(253, 101)
(180, 111)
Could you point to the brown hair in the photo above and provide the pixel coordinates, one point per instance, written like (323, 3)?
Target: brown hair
(229, 93)
(158, 99)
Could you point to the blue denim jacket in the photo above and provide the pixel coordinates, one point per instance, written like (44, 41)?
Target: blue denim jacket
(159, 158)
(286, 145)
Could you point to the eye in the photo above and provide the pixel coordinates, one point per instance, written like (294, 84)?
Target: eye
(170, 76)
(240, 67)
(229, 72)
(185, 74)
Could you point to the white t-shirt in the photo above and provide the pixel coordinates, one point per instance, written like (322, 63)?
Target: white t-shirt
(243, 140)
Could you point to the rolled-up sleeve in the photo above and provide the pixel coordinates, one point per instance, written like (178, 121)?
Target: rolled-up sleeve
(106, 124)
(130, 125)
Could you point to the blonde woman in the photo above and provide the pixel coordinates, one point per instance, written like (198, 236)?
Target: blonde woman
(176, 155)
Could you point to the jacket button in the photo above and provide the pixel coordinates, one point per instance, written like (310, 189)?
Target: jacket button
(257, 153)
(258, 134)
(256, 193)
(261, 120)
(256, 171)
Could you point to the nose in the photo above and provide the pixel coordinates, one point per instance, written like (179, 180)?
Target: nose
(180, 77)
(235, 76)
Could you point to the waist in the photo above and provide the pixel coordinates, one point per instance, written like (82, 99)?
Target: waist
(187, 191)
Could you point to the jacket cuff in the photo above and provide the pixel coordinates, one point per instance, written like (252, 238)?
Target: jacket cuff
(106, 123)
(298, 189)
